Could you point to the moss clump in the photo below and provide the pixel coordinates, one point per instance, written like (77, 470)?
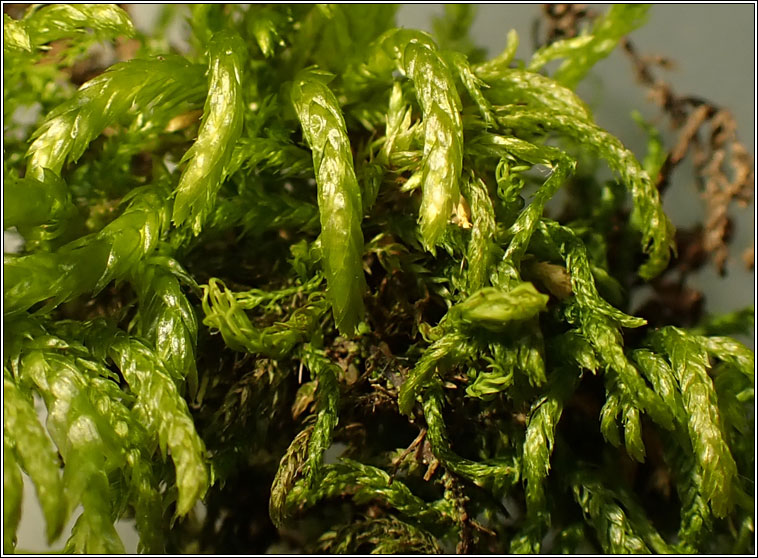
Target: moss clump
(304, 273)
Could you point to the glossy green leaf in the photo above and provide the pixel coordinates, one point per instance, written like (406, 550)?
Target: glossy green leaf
(415, 55)
(495, 310)
(13, 489)
(690, 364)
(196, 307)
(94, 532)
(619, 522)
(88, 264)
(15, 37)
(167, 318)
(538, 447)
(480, 252)
(57, 21)
(29, 202)
(103, 101)
(443, 352)
(225, 312)
(731, 351)
(339, 198)
(220, 128)
(578, 266)
(164, 412)
(511, 86)
(80, 433)
(35, 454)
(658, 372)
(605, 338)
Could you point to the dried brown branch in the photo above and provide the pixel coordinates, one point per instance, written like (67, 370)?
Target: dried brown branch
(723, 167)
(563, 21)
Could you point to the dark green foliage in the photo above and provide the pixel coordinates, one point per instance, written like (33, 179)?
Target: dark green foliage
(689, 361)
(496, 475)
(296, 290)
(538, 446)
(366, 483)
(325, 374)
(382, 536)
(620, 524)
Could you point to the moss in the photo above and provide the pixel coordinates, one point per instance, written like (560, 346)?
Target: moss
(304, 273)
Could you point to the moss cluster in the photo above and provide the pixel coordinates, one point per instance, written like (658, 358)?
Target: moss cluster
(304, 273)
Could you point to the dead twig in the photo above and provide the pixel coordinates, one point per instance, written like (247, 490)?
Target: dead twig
(723, 167)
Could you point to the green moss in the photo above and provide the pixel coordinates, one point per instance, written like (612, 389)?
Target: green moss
(304, 273)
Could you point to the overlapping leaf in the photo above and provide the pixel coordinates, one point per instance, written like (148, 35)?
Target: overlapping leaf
(104, 100)
(219, 130)
(339, 197)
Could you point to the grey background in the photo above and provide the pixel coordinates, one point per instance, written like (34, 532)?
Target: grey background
(714, 50)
